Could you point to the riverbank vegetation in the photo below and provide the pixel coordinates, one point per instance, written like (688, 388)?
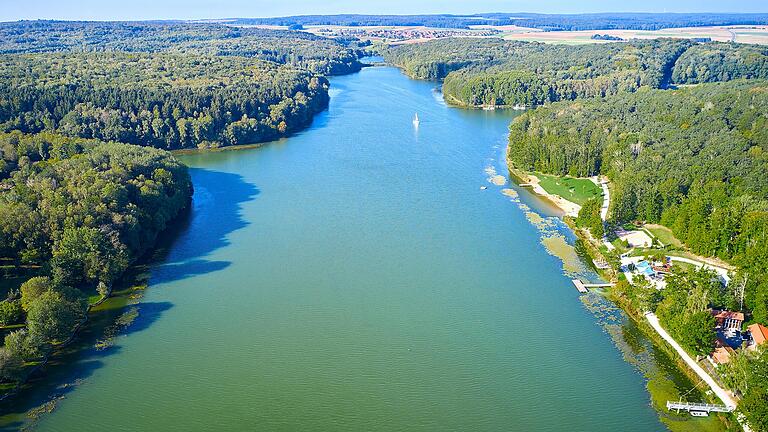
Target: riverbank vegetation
(82, 211)
(495, 72)
(166, 85)
(168, 101)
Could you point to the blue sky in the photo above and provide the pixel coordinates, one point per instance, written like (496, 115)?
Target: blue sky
(11, 10)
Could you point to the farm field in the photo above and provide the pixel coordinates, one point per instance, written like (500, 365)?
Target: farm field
(416, 34)
(742, 34)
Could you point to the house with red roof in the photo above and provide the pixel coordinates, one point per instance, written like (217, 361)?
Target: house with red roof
(728, 320)
(759, 334)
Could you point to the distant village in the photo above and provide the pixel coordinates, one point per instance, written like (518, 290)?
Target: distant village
(400, 34)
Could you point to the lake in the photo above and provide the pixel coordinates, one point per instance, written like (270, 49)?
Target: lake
(357, 277)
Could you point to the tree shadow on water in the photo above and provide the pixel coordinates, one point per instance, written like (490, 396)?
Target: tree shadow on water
(214, 214)
(180, 252)
(74, 364)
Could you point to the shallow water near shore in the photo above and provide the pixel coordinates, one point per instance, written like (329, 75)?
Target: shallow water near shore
(356, 277)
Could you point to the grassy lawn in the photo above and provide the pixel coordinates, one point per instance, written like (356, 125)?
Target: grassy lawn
(578, 190)
(664, 235)
(619, 245)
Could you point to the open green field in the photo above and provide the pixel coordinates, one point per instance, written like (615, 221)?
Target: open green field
(578, 190)
(664, 235)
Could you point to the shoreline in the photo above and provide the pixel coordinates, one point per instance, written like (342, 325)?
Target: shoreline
(638, 318)
(592, 250)
(530, 181)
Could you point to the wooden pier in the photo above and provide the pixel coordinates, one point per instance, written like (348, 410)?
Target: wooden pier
(582, 287)
(697, 407)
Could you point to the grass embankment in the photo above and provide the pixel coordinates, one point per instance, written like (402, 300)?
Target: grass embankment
(664, 235)
(577, 190)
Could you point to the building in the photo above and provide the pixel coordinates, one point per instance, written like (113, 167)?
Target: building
(721, 355)
(759, 334)
(727, 320)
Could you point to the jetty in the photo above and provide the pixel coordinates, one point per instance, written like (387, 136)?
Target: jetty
(697, 407)
(582, 287)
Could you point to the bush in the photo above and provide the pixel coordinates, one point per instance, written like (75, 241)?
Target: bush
(20, 343)
(10, 312)
(10, 365)
(32, 289)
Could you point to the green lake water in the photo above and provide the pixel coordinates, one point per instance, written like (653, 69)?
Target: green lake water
(356, 277)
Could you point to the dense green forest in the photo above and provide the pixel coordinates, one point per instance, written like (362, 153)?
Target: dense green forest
(692, 159)
(79, 211)
(478, 72)
(718, 61)
(161, 100)
(302, 50)
(549, 22)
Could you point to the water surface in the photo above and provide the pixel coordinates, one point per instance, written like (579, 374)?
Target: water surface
(357, 277)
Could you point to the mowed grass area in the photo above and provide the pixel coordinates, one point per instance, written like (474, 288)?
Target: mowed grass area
(578, 190)
(664, 235)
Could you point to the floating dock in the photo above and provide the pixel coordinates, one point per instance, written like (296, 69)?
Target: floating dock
(697, 407)
(579, 286)
(582, 287)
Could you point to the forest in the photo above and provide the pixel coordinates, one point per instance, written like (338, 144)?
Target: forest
(494, 72)
(298, 49)
(162, 100)
(76, 213)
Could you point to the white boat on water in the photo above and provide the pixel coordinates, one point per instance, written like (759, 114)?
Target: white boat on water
(416, 120)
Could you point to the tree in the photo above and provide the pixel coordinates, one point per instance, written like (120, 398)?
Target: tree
(10, 365)
(589, 217)
(698, 333)
(53, 315)
(24, 345)
(10, 312)
(87, 255)
(32, 289)
(754, 402)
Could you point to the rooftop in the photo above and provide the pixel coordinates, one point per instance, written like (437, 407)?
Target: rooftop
(724, 314)
(759, 333)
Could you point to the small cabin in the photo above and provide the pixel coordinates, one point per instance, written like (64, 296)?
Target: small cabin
(728, 320)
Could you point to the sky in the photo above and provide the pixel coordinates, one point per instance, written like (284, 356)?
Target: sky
(12, 10)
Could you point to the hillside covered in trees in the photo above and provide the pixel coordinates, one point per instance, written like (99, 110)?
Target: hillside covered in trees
(495, 72)
(692, 159)
(162, 100)
(80, 211)
(298, 49)
(695, 160)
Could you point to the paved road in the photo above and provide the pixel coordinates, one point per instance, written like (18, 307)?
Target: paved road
(719, 391)
(723, 272)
